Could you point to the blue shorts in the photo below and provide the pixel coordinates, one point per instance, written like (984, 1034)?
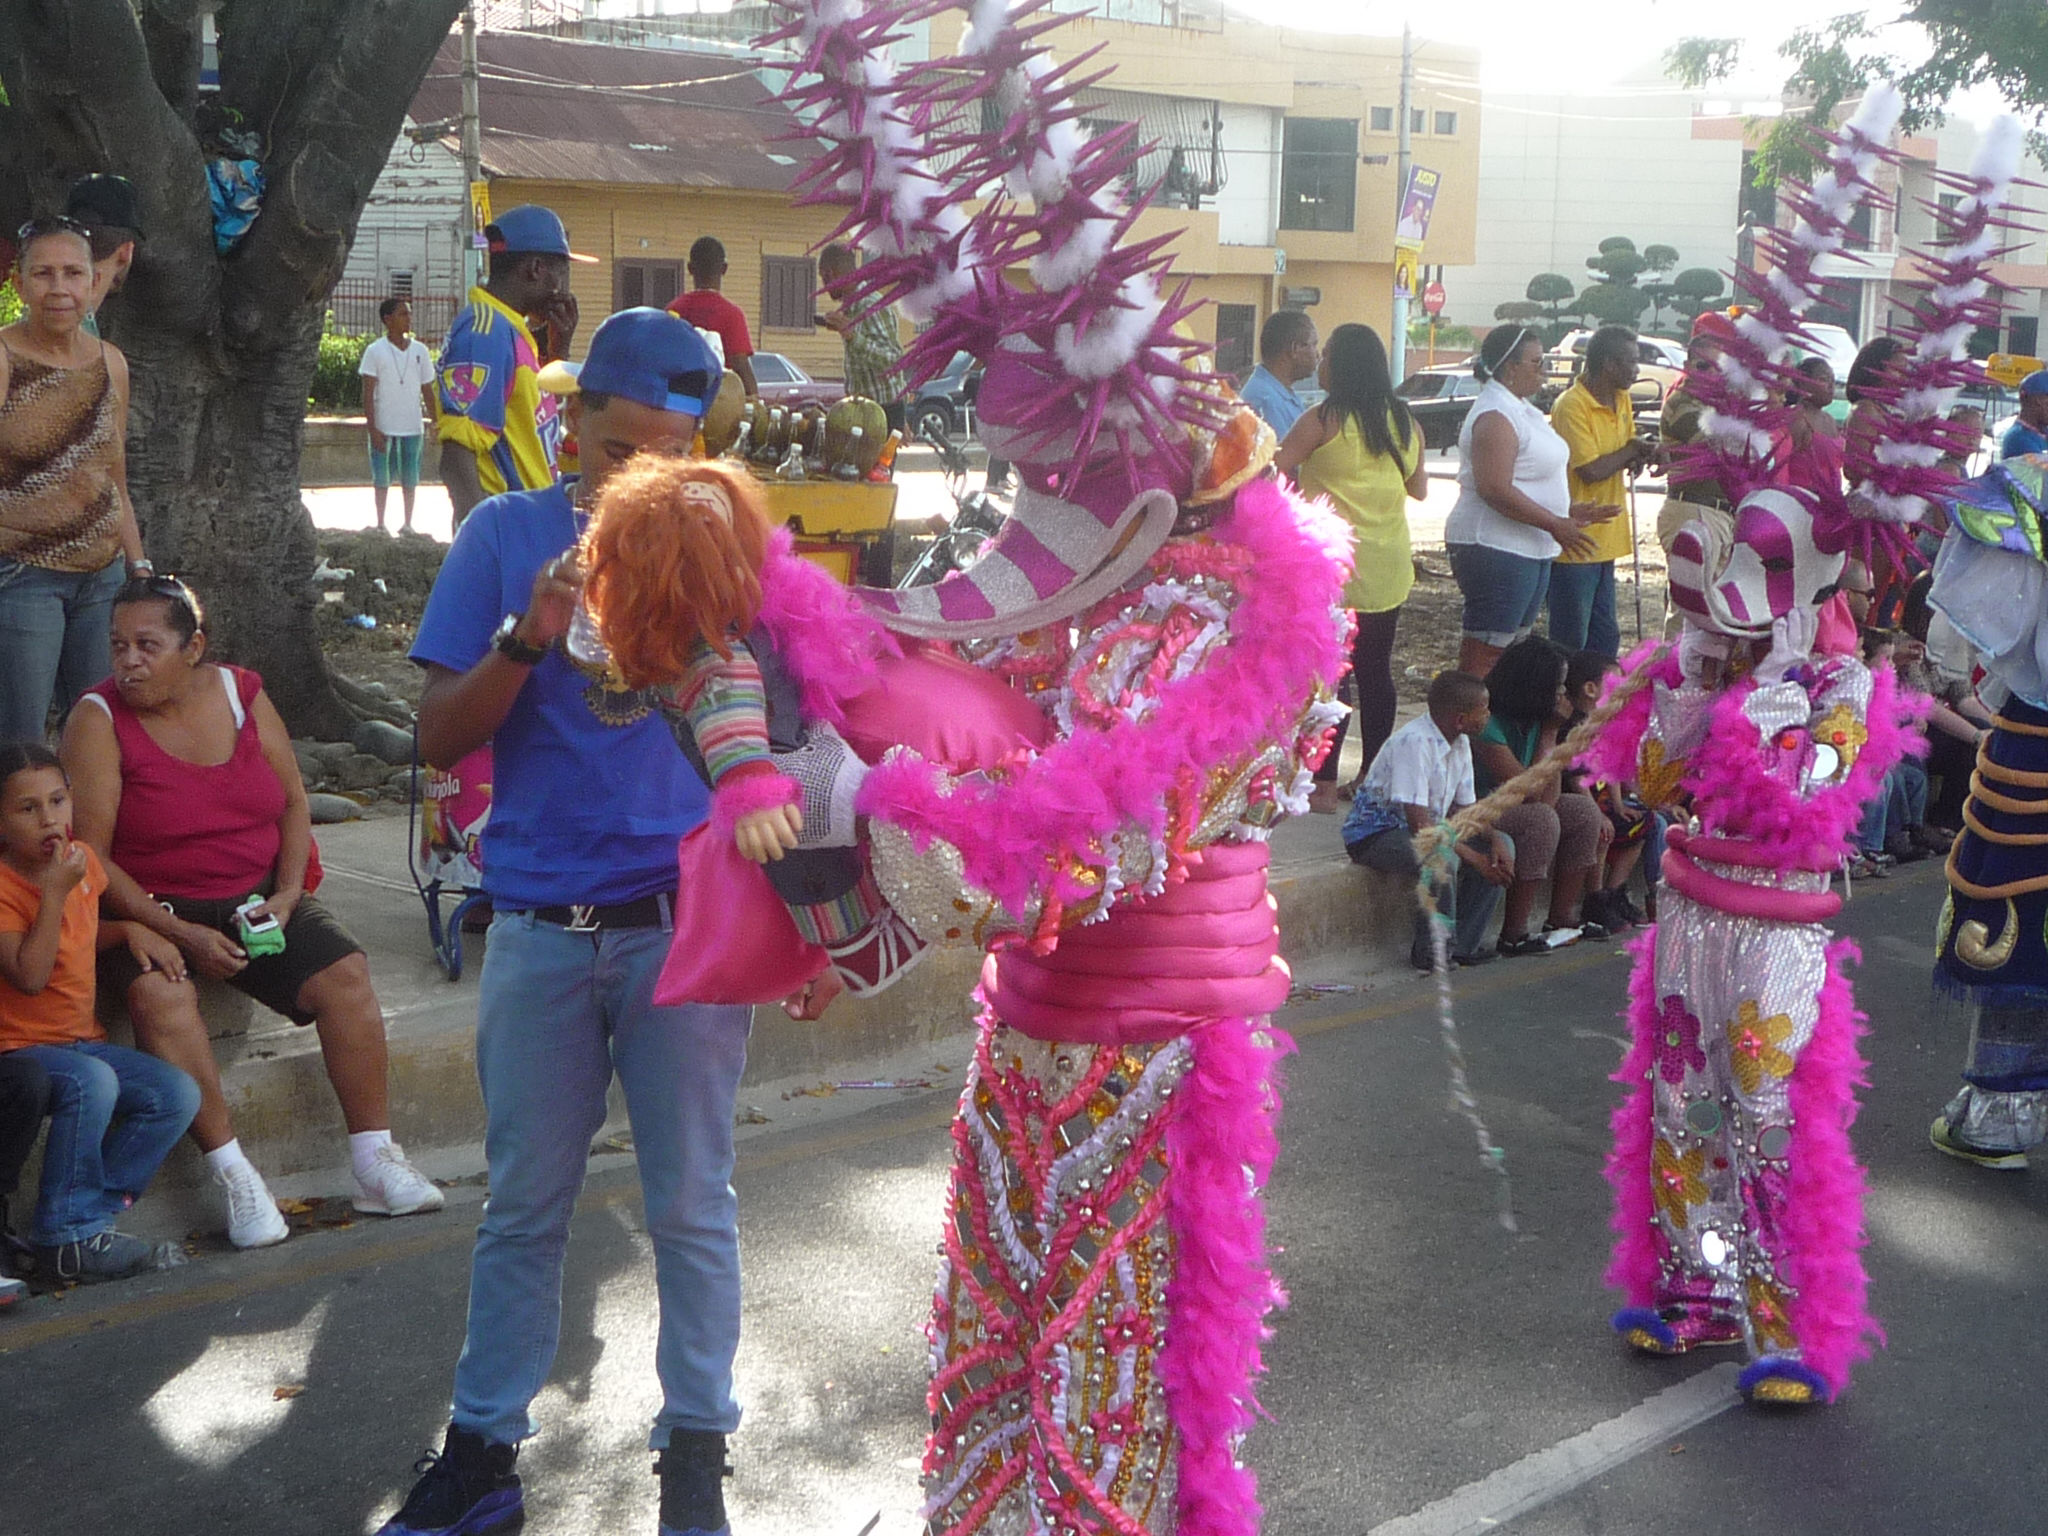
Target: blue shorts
(1503, 593)
(399, 461)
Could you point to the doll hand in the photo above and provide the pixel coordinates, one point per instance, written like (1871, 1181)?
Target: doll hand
(765, 835)
(812, 998)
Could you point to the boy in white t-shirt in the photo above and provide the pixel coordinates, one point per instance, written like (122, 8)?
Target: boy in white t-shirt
(398, 383)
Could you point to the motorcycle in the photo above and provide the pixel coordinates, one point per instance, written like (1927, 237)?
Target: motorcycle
(956, 543)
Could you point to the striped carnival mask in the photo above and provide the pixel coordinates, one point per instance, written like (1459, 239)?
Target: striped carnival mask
(1737, 581)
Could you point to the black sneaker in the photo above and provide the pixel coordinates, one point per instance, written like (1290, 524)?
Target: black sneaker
(693, 1469)
(467, 1488)
(107, 1255)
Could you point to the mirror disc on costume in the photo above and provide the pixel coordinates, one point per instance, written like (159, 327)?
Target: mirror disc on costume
(1827, 762)
(1703, 1117)
(1775, 1141)
(1713, 1248)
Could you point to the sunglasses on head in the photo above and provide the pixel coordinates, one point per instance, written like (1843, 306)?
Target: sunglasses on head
(52, 224)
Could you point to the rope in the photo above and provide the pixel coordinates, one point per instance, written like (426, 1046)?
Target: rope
(1436, 851)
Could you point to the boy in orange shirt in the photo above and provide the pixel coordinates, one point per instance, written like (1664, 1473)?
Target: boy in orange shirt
(114, 1113)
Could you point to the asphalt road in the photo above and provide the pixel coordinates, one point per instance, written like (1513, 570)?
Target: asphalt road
(1434, 1374)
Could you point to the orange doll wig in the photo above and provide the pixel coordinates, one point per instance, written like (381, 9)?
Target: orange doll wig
(673, 556)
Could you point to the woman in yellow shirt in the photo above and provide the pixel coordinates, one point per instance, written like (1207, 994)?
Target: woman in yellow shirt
(1362, 451)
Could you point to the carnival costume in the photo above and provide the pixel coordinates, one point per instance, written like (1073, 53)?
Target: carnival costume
(1991, 965)
(1170, 617)
(1738, 1199)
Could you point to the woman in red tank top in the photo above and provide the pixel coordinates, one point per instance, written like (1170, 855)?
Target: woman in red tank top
(186, 786)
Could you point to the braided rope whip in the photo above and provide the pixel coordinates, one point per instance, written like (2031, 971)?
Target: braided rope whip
(1436, 850)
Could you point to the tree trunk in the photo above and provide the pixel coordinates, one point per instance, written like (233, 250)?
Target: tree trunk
(221, 348)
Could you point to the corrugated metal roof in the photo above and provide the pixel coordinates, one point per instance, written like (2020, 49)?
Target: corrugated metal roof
(558, 110)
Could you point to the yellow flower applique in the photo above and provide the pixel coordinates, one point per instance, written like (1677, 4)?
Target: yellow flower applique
(1839, 728)
(1753, 1045)
(1679, 1181)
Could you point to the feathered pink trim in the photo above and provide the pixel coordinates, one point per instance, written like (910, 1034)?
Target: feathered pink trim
(742, 794)
(822, 633)
(1812, 832)
(1613, 756)
(1633, 1268)
(1821, 1223)
(1022, 833)
(1221, 1142)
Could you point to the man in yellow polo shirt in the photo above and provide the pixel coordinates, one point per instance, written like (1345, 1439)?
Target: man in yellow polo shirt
(1596, 422)
(498, 432)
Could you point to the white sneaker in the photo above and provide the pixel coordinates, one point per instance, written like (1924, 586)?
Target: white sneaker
(254, 1221)
(395, 1187)
(11, 1291)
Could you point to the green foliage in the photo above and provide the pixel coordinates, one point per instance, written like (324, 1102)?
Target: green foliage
(337, 387)
(1449, 335)
(1550, 288)
(1699, 286)
(1660, 258)
(1612, 303)
(1518, 311)
(10, 303)
(1619, 264)
(1700, 61)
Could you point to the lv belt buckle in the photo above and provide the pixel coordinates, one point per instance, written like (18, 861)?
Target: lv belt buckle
(582, 919)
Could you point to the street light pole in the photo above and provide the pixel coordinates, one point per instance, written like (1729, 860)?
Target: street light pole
(1397, 344)
(472, 146)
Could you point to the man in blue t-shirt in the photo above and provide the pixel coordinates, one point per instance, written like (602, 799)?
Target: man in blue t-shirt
(1288, 353)
(590, 798)
(2029, 432)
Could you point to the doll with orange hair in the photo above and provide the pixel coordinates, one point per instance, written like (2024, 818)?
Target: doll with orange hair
(674, 561)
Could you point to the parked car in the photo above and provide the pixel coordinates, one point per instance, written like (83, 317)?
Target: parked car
(1440, 399)
(944, 407)
(784, 383)
(1662, 364)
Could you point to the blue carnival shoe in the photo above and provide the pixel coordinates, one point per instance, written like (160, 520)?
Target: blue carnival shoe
(1782, 1381)
(693, 1469)
(467, 1488)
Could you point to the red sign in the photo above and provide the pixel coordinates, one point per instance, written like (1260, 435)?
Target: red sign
(1433, 300)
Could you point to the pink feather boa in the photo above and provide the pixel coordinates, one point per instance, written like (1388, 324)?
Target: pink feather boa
(1021, 834)
(1223, 1127)
(1811, 832)
(742, 794)
(829, 641)
(1822, 1222)
(1633, 1269)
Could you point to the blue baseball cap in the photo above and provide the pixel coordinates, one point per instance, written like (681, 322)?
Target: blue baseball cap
(533, 230)
(648, 355)
(2035, 383)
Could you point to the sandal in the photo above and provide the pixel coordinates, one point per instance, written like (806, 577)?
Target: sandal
(1522, 944)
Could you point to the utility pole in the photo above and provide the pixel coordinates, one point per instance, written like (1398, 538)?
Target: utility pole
(472, 148)
(1397, 344)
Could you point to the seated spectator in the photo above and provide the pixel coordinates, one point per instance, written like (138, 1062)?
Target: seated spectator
(114, 1113)
(1559, 834)
(1636, 833)
(24, 1104)
(1422, 775)
(1894, 829)
(1958, 723)
(188, 789)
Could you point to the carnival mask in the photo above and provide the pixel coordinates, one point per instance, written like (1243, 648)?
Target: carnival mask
(1736, 582)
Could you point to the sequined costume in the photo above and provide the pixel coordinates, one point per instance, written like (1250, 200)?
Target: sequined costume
(1738, 1198)
(1991, 965)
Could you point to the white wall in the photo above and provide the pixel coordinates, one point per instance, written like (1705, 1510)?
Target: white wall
(1560, 173)
(413, 221)
(1248, 206)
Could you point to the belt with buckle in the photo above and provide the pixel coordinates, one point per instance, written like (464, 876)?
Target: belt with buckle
(656, 911)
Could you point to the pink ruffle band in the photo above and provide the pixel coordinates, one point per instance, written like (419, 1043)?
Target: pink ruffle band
(742, 794)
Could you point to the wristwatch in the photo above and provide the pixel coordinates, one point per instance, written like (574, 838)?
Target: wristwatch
(506, 643)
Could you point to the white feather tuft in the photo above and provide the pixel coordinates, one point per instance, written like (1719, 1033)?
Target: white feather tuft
(985, 22)
(1997, 159)
(1878, 113)
(1115, 334)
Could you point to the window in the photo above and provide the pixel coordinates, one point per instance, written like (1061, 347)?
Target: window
(788, 285)
(1859, 236)
(646, 282)
(1949, 202)
(1236, 339)
(398, 283)
(2023, 335)
(1418, 120)
(1382, 119)
(772, 368)
(1446, 123)
(1318, 173)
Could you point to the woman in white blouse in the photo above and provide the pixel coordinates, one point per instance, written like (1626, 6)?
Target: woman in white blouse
(1514, 513)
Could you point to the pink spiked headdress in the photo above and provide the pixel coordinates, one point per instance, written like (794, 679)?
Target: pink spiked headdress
(1090, 386)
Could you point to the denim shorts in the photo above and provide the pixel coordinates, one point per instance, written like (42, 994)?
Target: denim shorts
(1503, 593)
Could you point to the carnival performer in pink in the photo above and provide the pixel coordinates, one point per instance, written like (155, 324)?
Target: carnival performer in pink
(1738, 1198)
(1170, 616)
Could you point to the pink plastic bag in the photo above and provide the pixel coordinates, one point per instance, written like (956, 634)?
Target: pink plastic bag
(734, 940)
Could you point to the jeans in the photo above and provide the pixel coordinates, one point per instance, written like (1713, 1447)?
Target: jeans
(53, 641)
(1582, 607)
(1503, 593)
(115, 1114)
(1900, 804)
(24, 1102)
(1469, 902)
(557, 1014)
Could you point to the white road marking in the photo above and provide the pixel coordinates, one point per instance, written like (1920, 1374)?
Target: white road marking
(1492, 1501)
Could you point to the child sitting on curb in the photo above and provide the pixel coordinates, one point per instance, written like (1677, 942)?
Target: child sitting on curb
(1418, 778)
(114, 1113)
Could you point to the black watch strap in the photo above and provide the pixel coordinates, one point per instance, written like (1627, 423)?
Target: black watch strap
(508, 644)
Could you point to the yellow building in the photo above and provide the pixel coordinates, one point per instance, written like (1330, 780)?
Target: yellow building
(1275, 164)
